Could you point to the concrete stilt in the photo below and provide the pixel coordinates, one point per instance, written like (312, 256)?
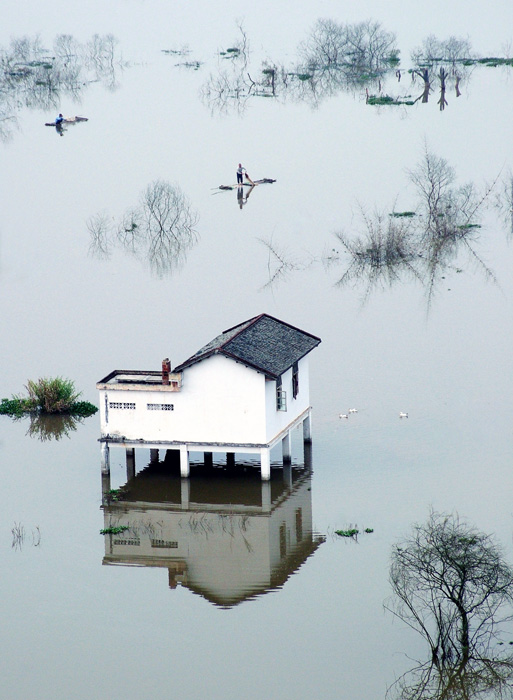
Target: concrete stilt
(184, 461)
(286, 449)
(230, 460)
(307, 428)
(185, 493)
(307, 455)
(208, 459)
(266, 496)
(130, 463)
(154, 456)
(265, 463)
(105, 485)
(287, 475)
(105, 458)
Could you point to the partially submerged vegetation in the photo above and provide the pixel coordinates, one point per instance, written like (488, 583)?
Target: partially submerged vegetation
(48, 396)
(353, 532)
(423, 242)
(114, 530)
(35, 76)
(342, 57)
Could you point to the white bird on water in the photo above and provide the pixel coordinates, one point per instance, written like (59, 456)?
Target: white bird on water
(353, 410)
(343, 415)
(403, 415)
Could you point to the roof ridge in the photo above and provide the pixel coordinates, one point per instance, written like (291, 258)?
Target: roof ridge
(244, 326)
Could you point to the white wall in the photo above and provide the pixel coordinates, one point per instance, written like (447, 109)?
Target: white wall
(220, 401)
(276, 421)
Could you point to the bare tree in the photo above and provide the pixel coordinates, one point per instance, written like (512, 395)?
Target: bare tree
(447, 61)
(363, 47)
(280, 263)
(453, 586)
(504, 202)
(384, 254)
(433, 51)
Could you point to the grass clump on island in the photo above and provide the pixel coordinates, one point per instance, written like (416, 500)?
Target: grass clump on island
(48, 396)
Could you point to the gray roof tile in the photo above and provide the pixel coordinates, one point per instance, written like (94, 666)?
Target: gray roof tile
(263, 343)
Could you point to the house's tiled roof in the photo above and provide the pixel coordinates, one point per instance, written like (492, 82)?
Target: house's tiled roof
(264, 343)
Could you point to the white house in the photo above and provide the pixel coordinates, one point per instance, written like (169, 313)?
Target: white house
(243, 392)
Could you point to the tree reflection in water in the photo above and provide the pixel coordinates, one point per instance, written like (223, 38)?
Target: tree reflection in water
(160, 229)
(37, 77)
(452, 585)
(504, 202)
(48, 427)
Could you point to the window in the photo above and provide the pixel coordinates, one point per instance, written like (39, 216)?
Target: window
(295, 380)
(281, 396)
(164, 544)
(160, 407)
(132, 542)
(122, 404)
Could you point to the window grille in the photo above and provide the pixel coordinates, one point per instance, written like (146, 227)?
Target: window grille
(164, 544)
(281, 396)
(131, 542)
(281, 400)
(160, 407)
(122, 404)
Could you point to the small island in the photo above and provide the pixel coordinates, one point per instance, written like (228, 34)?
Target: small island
(48, 396)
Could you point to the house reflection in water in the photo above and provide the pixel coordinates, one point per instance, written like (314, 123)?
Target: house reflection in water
(224, 534)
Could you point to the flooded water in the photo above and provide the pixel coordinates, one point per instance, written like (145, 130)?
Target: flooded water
(233, 588)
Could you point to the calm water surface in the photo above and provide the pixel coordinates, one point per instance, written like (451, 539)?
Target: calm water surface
(233, 615)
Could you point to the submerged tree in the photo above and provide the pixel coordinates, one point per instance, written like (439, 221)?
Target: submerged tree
(163, 224)
(445, 61)
(381, 255)
(160, 229)
(424, 242)
(363, 47)
(453, 586)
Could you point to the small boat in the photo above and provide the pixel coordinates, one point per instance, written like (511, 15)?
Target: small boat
(68, 120)
(251, 183)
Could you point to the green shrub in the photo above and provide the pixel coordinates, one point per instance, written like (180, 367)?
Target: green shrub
(52, 395)
(83, 408)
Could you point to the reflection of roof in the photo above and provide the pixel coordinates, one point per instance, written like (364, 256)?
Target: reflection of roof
(294, 560)
(264, 343)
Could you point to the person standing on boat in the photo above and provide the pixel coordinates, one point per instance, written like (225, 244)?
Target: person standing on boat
(59, 120)
(240, 171)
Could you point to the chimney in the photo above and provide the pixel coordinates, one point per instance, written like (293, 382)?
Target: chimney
(166, 369)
